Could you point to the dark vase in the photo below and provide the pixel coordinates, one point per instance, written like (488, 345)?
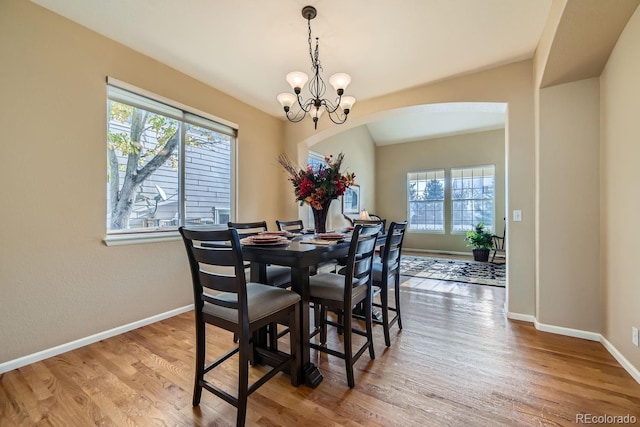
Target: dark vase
(481, 255)
(320, 217)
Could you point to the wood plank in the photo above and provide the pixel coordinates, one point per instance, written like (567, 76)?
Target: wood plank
(458, 361)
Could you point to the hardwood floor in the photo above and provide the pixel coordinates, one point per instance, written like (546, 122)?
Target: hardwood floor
(458, 362)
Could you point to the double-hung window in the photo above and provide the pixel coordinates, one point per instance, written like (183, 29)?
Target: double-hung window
(473, 197)
(168, 165)
(425, 192)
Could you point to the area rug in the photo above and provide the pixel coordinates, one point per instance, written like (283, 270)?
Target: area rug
(480, 273)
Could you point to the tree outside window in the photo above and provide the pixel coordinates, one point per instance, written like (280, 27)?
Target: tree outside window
(426, 200)
(473, 197)
(166, 167)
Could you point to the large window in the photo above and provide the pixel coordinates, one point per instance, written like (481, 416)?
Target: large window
(166, 166)
(426, 200)
(473, 197)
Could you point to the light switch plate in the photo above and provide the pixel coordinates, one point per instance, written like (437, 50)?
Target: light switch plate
(517, 215)
(634, 335)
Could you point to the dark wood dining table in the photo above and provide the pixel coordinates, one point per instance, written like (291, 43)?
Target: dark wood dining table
(300, 257)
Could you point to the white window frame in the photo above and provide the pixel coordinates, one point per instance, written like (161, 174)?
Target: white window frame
(425, 176)
(479, 192)
(189, 114)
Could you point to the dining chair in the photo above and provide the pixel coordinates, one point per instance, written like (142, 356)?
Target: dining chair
(340, 293)
(276, 275)
(223, 298)
(294, 226)
(499, 244)
(388, 271)
(371, 221)
(297, 226)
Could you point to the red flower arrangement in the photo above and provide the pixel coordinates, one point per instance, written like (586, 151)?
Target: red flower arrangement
(318, 185)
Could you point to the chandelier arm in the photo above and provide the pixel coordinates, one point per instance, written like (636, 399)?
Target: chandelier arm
(317, 86)
(306, 105)
(338, 119)
(328, 105)
(297, 117)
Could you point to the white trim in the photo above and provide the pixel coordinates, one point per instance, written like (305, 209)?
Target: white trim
(63, 348)
(522, 317)
(137, 238)
(428, 251)
(131, 88)
(560, 330)
(577, 333)
(635, 373)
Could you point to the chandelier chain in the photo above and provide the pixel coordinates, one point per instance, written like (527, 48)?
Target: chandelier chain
(316, 104)
(310, 51)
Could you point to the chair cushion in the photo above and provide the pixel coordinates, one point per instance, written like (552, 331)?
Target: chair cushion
(376, 272)
(330, 286)
(278, 275)
(262, 300)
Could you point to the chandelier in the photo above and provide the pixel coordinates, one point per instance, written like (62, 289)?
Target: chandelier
(316, 104)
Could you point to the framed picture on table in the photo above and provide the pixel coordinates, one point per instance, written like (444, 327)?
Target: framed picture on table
(351, 200)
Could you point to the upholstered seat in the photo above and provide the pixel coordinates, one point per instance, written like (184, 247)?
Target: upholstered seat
(262, 301)
(331, 286)
(223, 298)
(339, 293)
(387, 271)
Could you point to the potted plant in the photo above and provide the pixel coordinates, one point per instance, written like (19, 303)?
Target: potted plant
(481, 241)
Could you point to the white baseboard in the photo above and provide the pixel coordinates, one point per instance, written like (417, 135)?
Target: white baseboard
(523, 317)
(635, 373)
(560, 330)
(63, 348)
(429, 251)
(577, 333)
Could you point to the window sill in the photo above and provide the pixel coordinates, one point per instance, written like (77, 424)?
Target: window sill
(140, 238)
(425, 231)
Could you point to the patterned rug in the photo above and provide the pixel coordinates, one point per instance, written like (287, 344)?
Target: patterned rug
(480, 273)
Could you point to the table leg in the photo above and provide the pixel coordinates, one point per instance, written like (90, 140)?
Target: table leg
(300, 284)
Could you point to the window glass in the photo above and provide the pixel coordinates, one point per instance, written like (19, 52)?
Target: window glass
(472, 197)
(166, 166)
(425, 192)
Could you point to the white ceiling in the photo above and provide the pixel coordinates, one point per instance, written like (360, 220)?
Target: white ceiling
(436, 120)
(245, 47)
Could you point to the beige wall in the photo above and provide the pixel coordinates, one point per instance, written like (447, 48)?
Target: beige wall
(511, 84)
(472, 149)
(568, 210)
(360, 158)
(58, 281)
(620, 204)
